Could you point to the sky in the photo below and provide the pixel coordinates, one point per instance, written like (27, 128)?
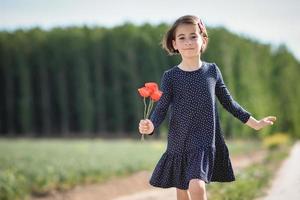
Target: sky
(272, 22)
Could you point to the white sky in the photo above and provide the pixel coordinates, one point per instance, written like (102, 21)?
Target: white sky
(269, 21)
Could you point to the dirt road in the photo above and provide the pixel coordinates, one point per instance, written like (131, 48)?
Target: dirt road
(286, 184)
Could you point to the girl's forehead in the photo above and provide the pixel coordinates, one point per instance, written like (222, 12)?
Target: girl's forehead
(187, 29)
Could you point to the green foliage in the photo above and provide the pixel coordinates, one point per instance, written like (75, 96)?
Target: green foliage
(12, 185)
(40, 166)
(84, 80)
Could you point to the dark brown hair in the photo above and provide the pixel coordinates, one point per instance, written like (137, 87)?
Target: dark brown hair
(170, 34)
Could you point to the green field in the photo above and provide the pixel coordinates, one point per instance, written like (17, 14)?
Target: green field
(40, 165)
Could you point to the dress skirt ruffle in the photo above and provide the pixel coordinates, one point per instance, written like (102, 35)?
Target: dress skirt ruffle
(177, 169)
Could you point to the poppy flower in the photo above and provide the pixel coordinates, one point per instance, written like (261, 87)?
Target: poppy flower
(151, 86)
(150, 90)
(144, 92)
(155, 96)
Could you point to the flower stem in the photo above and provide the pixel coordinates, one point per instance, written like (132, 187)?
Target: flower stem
(145, 106)
(149, 109)
(145, 116)
(151, 106)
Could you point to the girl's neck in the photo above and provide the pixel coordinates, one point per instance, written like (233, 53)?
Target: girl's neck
(190, 64)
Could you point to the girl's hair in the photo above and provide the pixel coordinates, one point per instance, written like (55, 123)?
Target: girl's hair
(170, 34)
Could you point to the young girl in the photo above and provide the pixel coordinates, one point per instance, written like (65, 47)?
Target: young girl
(196, 152)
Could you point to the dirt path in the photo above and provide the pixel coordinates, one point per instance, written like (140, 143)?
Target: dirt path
(286, 184)
(136, 186)
(109, 190)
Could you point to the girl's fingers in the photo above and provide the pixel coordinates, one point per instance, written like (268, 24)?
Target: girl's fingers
(269, 119)
(141, 126)
(272, 118)
(144, 126)
(143, 123)
(147, 121)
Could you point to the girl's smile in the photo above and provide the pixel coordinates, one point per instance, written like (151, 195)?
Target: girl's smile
(189, 49)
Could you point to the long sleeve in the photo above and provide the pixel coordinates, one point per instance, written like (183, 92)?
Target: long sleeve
(227, 101)
(162, 106)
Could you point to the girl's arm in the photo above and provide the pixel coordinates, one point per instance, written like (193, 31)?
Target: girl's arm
(227, 101)
(234, 108)
(257, 125)
(163, 103)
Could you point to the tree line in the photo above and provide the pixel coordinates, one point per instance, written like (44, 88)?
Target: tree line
(83, 81)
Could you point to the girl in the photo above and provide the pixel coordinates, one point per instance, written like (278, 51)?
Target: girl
(196, 152)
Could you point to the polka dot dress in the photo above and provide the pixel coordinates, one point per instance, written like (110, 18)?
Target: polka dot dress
(196, 147)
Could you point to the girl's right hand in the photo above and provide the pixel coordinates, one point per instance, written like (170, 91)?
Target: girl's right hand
(146, 126)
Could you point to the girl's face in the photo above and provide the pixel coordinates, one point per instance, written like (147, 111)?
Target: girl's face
(188, 40)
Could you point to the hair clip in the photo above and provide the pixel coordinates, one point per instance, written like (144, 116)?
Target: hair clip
(201, 26)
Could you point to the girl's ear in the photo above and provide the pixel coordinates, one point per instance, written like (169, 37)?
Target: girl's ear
(203, 44)
(203, 40)
(174, 44)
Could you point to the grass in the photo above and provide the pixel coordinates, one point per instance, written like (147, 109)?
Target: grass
(37, 166)
(243, 146)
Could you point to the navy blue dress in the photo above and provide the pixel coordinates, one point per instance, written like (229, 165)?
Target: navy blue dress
(196, 146)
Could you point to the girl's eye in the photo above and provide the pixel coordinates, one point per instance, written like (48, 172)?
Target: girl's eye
(194, 36)
(182, 38)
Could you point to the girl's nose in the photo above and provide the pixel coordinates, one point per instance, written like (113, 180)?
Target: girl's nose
(188, 42)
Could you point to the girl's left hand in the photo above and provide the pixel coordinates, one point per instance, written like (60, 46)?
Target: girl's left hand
(265, 122)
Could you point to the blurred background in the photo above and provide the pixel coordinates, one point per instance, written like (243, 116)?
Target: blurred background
(70, 70)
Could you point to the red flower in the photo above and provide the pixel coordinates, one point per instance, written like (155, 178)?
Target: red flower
(150, 90)
(151, 86)
(155, 96)
(144, 92)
